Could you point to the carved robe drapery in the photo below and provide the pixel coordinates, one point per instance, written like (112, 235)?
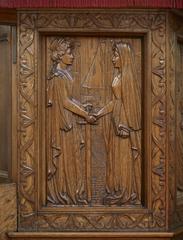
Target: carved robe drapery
(124, 156)
(146, 32)
(65, 178)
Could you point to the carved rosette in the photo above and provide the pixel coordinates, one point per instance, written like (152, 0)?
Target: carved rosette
(30, 24)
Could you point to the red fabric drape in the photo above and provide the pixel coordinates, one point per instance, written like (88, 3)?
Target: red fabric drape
(91, 4)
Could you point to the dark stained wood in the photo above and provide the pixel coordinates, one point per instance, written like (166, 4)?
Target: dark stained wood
(175, 207)
(98, 99)
(8, 16)
(179, 121)
(5, 102)
(82, 153)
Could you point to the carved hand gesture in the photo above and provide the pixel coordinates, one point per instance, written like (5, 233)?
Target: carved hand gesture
(91, 119)
(96, 115)
(123, 131)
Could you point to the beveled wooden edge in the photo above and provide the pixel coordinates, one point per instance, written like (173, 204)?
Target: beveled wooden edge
(89, 234)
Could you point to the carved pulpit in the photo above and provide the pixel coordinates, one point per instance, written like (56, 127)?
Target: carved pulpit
(99, 129)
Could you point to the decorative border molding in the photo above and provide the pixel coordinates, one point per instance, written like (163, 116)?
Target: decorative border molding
(31, 24)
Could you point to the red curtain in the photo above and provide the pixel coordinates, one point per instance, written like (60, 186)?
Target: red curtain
(91, 4)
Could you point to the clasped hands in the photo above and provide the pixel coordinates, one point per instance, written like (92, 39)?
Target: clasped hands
(92, 118)
(122, 131)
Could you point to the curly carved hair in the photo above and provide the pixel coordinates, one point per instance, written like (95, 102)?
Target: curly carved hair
(59, 47)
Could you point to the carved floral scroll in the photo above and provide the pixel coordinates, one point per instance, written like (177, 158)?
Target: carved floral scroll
(119, 217)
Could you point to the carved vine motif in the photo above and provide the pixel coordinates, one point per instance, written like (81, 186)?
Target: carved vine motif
(27, 115)
(98, 20)
(104, 222)
(158, 125)
(29, 25)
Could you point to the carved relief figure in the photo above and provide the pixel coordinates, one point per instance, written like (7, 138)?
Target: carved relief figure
(124, 145)
(66, 178)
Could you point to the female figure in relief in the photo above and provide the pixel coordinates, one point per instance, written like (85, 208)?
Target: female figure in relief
(123, 174)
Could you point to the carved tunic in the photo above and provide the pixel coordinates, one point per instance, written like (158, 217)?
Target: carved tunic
(65, 185)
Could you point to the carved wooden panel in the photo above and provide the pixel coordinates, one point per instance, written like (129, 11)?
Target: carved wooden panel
(92, 121)
(93, 129)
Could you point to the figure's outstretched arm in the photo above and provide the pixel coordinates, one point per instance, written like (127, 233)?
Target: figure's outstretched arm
(69, 103)
(73, 106)
(105, 110)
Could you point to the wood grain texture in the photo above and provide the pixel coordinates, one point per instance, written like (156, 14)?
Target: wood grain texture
(171, 48)
(8, 209)
(175, 115)
(174, 235)
(31, 87)
(95, 119)
(94, 235)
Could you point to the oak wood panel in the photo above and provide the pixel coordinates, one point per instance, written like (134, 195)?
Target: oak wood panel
(85, 173)
(34, 213)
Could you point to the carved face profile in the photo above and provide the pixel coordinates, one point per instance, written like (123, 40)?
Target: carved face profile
(67, 58)
(116, 58)
(123, 56)
(62, 51)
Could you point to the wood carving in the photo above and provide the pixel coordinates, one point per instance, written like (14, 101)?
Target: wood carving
(158, 147)
(68, 186)
(72, 185)
(125, 132)
(26, 106)
(85, 107)
(106, 222)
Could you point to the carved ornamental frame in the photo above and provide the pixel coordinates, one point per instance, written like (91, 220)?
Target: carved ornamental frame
(152, 27)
